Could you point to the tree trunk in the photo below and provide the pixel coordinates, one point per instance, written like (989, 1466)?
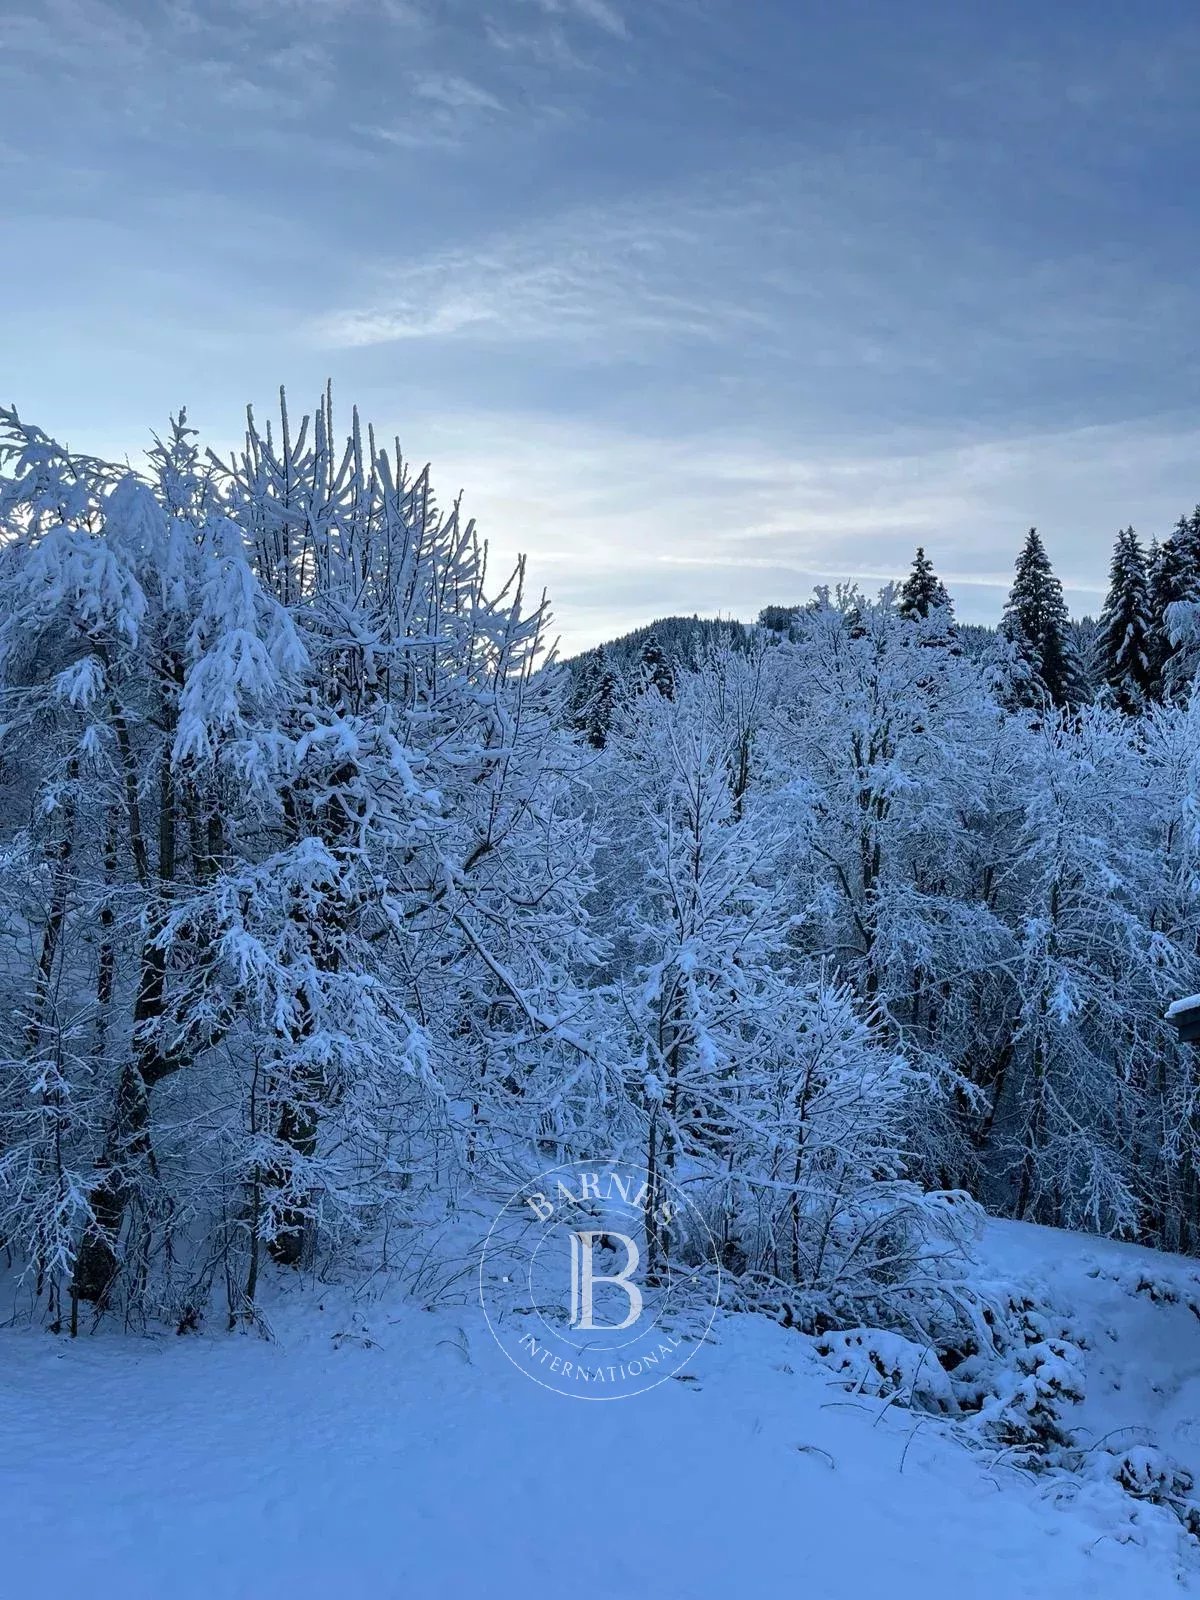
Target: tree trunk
(127, 1153)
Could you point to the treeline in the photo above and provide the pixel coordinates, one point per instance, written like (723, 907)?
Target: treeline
(1130, 657)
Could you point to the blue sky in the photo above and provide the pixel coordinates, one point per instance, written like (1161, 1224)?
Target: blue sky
(701, 301)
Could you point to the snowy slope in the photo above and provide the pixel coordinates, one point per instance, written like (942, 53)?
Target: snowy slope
(1135, 1309)
(391, 1451)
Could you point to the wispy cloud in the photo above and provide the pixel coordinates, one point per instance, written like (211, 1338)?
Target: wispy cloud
(621, 528)
(455, 93)
(174, 58)
(442, 110)
(602, 279)
(599, 12)
(560, 35)
(841, 266)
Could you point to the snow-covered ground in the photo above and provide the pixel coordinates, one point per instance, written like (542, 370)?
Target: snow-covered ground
(386, 1450)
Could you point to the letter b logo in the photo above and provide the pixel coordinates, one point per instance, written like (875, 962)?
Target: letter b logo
(584, 1277)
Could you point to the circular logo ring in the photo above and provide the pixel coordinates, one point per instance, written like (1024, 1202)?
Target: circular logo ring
(598, 1281)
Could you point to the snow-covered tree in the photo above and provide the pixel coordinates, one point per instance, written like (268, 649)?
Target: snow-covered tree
(1174, 579)
(1037, 625)
(751, 1073)
(1123, 648)
(328, 900)
(922, 591)
(309, 822)
(604, 697)
(655, 670)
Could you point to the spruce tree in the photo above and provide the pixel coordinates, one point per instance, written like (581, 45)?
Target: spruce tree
(587, 676)
(598, 714)
(655, 670)
(1122, 648)
(1036, 623)
(1174, 576)
(922, 591)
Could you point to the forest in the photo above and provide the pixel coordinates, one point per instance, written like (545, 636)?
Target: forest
(331, 903)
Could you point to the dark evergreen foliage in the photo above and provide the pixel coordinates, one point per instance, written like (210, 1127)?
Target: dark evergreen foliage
(1174, 577)
(656, 671)
(601, 707)
(1122, 646)
(1037, 625)
(923, 591)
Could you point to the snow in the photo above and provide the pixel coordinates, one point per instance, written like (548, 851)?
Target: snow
(375, 1448)
(1180, 1006)
(1144, 1362)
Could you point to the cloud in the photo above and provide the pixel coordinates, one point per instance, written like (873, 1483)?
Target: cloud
(844, 272)
(600, 13)
(556, 38)
(172, 69)
(448, 90)
(443, 111)
(622, 528)
(605, 279)
(711, 299)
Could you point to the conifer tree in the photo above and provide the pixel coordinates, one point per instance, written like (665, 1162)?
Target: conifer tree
(598, 714)
(1036, 623)
(1123, 640)
(922, 591)
(1174, 577)
(586, 678)
(656, 671)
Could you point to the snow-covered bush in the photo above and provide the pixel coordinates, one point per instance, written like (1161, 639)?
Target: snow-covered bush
(1149, 1474)
(873, 1361)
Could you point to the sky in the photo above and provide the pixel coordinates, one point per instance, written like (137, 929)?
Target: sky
(701, 302)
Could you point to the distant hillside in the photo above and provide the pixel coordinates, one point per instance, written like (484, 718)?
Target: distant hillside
(684, 639)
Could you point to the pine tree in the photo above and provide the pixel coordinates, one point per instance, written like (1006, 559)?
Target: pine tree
(1174, 577)
(1123, 640)
(656, 671)
(922, 591)
(586, 678)
(597, 715)
(1036, 623)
